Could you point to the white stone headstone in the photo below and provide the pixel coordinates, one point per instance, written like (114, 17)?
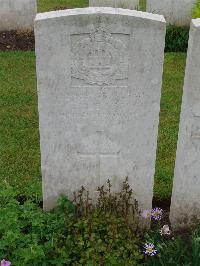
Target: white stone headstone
(129, 4)
(185, 207)
(176, 12)
(99, 73)
(17, 14)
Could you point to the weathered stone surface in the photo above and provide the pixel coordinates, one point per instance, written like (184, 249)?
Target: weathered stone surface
(129, 4)
(185, 207)
(176, 12)
(17, 14)
(99, 73)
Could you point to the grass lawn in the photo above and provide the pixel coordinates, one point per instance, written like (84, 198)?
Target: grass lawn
(19, 136)
(143, 5)
(47, 5)
(174, 70)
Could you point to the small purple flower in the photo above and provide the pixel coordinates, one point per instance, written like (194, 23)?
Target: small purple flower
(157, 214)
(5, 263)
(165, 230)
(146, 214)
(149, 249)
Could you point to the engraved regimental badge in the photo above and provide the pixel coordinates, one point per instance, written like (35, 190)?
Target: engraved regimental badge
(100, 59)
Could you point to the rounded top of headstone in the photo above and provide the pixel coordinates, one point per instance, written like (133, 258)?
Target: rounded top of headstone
(196, 22)
(99, 10)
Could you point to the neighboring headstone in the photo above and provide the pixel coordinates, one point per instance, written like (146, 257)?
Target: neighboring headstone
(176, 12)
(99, 73)
(129, 4)
(17, 14)
(185, 207)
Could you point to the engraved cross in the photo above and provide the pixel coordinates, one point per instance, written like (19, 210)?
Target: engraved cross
(195, 136)
(195, 133)
(99, 154)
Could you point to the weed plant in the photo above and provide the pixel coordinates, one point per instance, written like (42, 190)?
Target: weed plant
(74, 233)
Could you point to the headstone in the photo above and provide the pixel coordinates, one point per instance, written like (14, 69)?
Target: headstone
(99, 73)
(129, 4)
(17, 14)
(176, 12)
(185, 207)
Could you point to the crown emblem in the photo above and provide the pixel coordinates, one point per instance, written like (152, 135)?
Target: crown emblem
(99, 34)
(99, 59)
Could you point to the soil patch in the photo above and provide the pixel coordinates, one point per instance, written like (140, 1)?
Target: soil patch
(20, 40)
(17, 40)
(162, 203)
(62, 8)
